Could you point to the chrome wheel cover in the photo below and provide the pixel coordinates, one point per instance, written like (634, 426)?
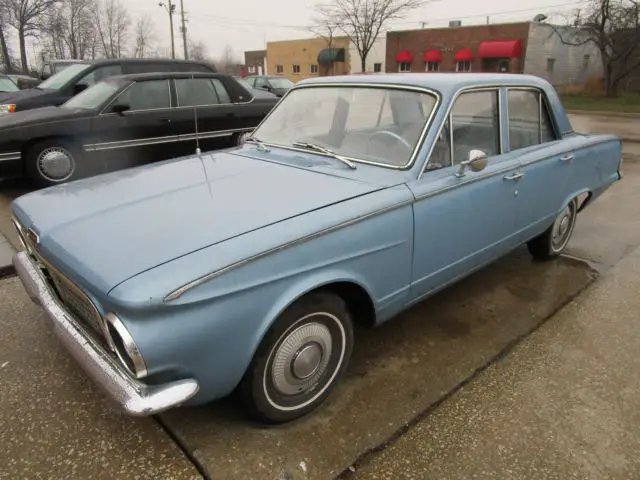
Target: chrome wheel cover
(299, 360)
(563, 227)
(56, 164)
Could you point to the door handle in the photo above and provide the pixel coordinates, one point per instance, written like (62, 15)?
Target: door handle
(567, 158)
(514, 176)
(165, 120)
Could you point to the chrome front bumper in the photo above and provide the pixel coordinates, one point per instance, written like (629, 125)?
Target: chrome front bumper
(133, 396)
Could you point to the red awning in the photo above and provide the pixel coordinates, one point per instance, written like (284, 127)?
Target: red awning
(464, 55)
(432, 56)
(502, 49)
(404, 57)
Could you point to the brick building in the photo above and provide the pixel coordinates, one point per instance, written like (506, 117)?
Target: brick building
(523, 47)
(308, 57)
(477, 48)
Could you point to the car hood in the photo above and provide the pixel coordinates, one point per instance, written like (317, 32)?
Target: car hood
(27, 93)
(106, 229)
(38, 115)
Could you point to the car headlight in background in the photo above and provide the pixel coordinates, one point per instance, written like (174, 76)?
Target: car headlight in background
(121, 342)
(7, 108)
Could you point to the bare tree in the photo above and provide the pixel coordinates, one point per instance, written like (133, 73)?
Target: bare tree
(113, 24)
(362, 21)
(26, 17)
(613, 27)
(7, 61)
(228, 62)
(325, 27)
(197, 51)
(145, 36)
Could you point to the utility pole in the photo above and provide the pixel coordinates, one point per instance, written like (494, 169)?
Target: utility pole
(170, 9)
(184, 31)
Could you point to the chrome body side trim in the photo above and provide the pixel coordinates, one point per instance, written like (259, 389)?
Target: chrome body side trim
(168, 139)
(133, 396)
(6, 157)
(382, 86)
(177, 293)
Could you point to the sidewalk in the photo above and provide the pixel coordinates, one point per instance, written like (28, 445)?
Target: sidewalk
(6, 254)
(564, 404)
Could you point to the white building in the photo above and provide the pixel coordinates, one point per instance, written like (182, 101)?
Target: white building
(375, 58)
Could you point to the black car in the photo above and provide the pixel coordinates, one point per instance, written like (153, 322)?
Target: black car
(81, 74)
(126, 121)
(276, 85)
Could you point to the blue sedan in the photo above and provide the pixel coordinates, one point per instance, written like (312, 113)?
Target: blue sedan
(179, 282)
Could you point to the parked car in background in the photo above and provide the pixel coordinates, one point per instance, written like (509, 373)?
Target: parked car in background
(254, 91)
(7, 84)
(276, 85)
(52, 67)
(358, 196)
(24, 81)
(126, 121)
(80, 75)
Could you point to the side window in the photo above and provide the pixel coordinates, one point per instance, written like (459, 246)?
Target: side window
(99, 74)
(261, 82)
(223, 95)
(475, 124)
(147, 95)
(529, 120)
(196, 91)
(251, 81)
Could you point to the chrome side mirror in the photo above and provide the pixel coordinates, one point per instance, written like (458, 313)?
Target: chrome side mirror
(477, 162)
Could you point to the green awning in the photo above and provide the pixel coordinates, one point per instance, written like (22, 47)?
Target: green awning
(330, 55)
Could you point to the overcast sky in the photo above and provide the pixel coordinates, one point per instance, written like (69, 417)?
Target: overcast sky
(247, 24)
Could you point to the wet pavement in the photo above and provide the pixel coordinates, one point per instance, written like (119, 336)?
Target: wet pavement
(564, 404)
(52, 417)
(53, 421)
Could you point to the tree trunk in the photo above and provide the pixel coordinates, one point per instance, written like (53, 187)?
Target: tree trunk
(23, 51)
(4, 50)
(363, 63)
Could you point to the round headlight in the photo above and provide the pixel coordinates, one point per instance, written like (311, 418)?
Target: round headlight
(122, 344)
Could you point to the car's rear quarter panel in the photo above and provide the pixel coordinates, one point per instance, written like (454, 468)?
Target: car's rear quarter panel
(215, 327)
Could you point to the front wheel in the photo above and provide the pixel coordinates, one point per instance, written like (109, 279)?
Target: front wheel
(301, 359)
(554, 240)
(50, 162)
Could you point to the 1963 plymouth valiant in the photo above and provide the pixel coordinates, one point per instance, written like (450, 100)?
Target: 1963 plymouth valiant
(244, 270)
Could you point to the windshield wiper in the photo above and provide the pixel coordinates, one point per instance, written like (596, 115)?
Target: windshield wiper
(326, 151)
(259, 143)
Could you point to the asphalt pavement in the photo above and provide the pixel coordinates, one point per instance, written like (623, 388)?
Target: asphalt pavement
(55, 424)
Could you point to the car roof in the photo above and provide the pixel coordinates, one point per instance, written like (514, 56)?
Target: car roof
(137, 77)
(110, 61)
(443, 82)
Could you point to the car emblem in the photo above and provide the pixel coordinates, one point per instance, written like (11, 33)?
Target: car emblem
(33, 237)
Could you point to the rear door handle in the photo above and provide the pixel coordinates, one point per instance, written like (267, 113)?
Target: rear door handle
(567, 157)
(514, 176)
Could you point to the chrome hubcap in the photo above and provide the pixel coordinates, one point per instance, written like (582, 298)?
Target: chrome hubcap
(562, 227)
(56, 164)
(301, 359)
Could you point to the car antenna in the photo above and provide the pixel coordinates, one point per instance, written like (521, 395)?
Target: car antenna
(195, 113)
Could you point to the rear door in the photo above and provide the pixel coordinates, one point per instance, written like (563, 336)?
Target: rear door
(217, 122)
(142, 134)
(546, 162)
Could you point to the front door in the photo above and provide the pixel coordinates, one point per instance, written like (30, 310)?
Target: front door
(141, 134)
(461, 223)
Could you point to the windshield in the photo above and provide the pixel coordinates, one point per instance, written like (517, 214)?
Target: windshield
(95, 96)
(244, 83)
(60, 79)
(58, 67)
(6, 85)
(368, 124)
(278, 82)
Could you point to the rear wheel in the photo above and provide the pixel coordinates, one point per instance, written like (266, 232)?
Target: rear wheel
(554, 240)
(300, 360)
(50, 162)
